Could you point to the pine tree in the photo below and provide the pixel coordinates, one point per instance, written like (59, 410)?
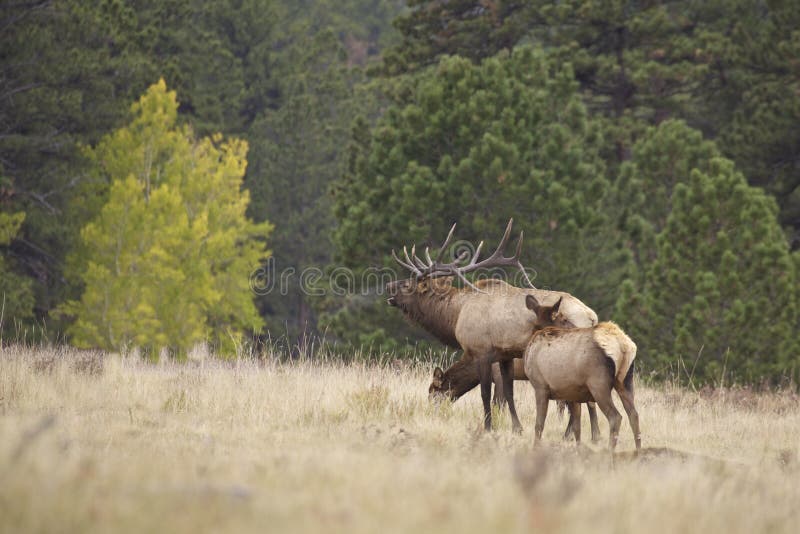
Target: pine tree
(65, 80)
(727, 67)
(661, 159)
(471, 29)
(166, 262)
(720, 300)
(295, 158)
(758, 120)
(477, 144)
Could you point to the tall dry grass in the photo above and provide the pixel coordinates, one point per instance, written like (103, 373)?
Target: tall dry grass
(101, 443)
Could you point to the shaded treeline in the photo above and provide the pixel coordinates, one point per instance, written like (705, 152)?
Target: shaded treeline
(648, 150)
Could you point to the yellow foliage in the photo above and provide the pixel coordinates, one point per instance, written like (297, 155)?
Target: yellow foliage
(166, 260)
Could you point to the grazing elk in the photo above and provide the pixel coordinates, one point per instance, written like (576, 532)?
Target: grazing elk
(580, 365)
(487, 320)
(462, 376)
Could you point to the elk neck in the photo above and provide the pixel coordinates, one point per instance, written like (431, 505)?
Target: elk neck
(437, 312)
(460, 378)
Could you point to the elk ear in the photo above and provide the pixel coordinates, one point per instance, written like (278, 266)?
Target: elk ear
(556, 305)
(532, 303)
(438, 374)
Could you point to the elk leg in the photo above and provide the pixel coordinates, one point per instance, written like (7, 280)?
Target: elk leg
(499, 397)
(626, 396)
(592, 408)
(506, 370)
(485, 374)
(542, 401)
(602, 395)
(575, 420)
(561, 405)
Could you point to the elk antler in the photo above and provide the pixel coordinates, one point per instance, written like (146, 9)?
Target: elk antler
(408, 264)
(435, 269)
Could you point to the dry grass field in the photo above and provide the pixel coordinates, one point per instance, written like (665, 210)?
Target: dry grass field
(128, 446)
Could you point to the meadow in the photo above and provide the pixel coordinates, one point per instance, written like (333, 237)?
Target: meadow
(106, 443)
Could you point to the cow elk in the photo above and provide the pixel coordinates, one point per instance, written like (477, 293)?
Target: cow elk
(462, 376)
(580, 365)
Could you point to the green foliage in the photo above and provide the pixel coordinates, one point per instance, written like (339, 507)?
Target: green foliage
(71, 68)
(296, 156)
(471, 29)
(759, 124)
(727, 67)
(478, 144)
(298, 143)
(166, 262)
(215, 54)
(720, 301)
(63, 81)
(363, 27)
(661, 159)
(16, 297)
(590, 142)
(634, 59)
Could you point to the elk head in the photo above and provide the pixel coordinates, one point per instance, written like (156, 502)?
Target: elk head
(548, 315)
(403, 293)
(437, 387)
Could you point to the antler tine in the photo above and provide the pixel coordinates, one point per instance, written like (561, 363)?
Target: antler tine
(497, 257)
(446, 242)
(404, 264)
(417, 266)
(470, 284)
(431, 264)
(524, 274)
(461, 257)
(432, 268)
(439, 267)
(519, 262)
(410, 264)
(503, 242)
(477, 251)
(418, 262)
(508, 229)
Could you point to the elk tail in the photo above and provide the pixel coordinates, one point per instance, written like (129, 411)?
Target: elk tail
(620, 351)
(628, 382)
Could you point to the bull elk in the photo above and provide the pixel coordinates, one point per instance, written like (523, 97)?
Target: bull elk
(487, 320)
(579, 365)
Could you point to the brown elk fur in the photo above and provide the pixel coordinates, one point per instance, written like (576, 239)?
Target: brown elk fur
(489, 325)
(463, 375)
(580, 365)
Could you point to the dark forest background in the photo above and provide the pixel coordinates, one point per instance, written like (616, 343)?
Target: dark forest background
(649, 150)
